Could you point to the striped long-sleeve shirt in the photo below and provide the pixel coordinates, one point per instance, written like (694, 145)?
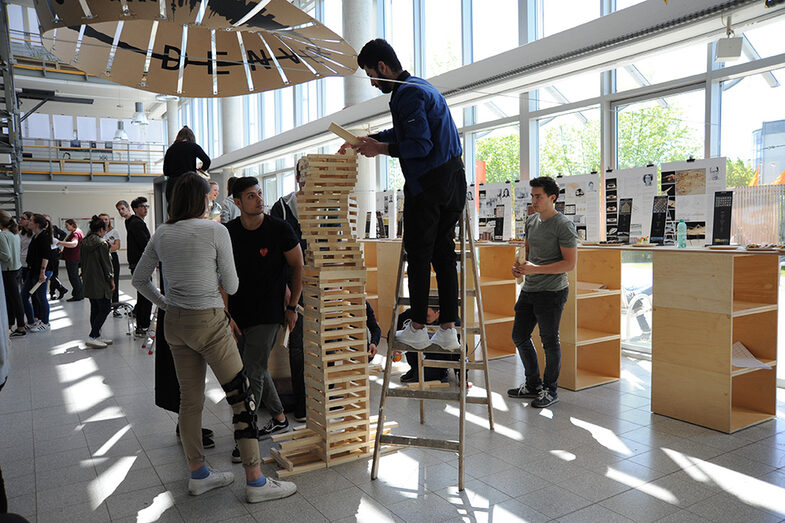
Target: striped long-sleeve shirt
(196, 257)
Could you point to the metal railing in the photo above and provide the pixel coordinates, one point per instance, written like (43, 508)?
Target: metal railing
(91, 158)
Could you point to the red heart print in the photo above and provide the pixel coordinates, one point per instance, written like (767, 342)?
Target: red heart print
(263, 251)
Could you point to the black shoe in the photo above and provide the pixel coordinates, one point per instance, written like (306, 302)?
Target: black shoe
(445, 378)
(546, 398)
(236, 458)
(61, 293)
(206, 433)
(274, 427)
(523, 392)
(140, 333)
(17, 334)
(207, 443)
(410, 377)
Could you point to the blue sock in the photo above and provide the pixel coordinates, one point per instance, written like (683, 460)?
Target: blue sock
(200, 473)
(257, 482)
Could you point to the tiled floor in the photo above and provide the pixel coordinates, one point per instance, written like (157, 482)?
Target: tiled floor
(81, 440)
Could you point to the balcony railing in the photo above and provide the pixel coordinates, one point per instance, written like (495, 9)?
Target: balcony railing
(91, 159)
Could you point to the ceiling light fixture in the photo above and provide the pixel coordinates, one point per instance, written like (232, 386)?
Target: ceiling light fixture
(167, 97)
(728, 49)
(139, 118)
(120, 135)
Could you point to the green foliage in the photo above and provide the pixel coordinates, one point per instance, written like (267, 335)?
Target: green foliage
(656, 134)
(738, 174)
(501, 155)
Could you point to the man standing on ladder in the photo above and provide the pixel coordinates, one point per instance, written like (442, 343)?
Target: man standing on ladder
(551, 252)
(425, 140)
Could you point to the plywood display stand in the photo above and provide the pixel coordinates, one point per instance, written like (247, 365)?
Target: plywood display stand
(335, 340)
(703, 303)
(590, 329)
(499, 293)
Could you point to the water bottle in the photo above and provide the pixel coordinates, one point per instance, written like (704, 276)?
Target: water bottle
(681, 235)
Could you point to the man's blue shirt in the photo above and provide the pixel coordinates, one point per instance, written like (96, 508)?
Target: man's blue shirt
(423, 135)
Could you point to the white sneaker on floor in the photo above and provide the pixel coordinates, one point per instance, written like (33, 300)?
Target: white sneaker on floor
(446, 339)
(108, 342)
(95, 343)
(40, 327)
(414, 338)
(271, 490)
(213, 481)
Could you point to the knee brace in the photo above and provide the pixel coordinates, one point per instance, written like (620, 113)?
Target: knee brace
(239, 391)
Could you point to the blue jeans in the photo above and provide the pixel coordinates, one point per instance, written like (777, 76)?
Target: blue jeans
(40, 306)
(72, 266)
(544, 309)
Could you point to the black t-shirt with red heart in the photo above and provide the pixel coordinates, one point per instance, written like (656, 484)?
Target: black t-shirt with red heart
(261, 267)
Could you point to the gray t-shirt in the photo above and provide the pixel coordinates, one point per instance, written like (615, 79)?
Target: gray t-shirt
(545, 239)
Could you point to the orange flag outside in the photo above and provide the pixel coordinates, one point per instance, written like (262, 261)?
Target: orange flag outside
(780, 179)
(754, 180)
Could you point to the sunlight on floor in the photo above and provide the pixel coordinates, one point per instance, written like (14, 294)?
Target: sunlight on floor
(161, 503)
(564, 455)
(68, 372)
(107, 482)
(605, 437)
(747, 489)
(638, 484)
(112, 441)
(86, 394)
(483, 422)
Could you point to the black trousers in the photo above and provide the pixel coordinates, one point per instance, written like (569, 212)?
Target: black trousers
(116, 270)
(429, 221)
(13, 300)
(54, 283)
(99, 310)
(297, 365)
(142, 309)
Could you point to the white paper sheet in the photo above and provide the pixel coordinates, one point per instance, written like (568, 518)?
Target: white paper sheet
(742, 357)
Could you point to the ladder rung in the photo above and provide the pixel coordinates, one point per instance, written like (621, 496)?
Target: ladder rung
(409, 441)
(397, 345)
(440, 364)
(424, 394)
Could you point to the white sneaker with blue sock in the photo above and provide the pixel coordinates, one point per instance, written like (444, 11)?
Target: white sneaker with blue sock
(203, 480)
(267, 489)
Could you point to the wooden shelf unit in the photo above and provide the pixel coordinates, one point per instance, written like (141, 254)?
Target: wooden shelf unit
(702, 305)
(499, 292)
(590, 329)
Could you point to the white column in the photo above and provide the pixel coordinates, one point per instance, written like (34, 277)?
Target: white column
(232, 136)
(359, 27)
(365, 191)
(172, 119)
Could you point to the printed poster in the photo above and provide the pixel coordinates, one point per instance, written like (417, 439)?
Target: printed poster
(579, 200)
(690, 187)
(495, 211)
(639, 185)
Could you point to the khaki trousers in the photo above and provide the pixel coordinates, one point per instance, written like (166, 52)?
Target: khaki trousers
(199, 338)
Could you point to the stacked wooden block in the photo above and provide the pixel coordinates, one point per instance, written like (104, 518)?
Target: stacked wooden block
(335, 335)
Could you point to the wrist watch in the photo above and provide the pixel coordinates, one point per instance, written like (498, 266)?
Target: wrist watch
(291, 308)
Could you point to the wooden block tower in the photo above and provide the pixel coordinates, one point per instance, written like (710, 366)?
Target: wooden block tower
(335, 335)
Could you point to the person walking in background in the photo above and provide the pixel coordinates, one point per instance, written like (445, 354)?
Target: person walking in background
(181, 158)
(214, 208)
(197, 262)
(112, 237)
(11, 263)
(137, 239)
(229, 211)
(71, 249)
(99, 280)
(38, 256)
(55, 286)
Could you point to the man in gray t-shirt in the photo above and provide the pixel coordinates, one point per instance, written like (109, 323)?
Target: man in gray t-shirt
(551, 252)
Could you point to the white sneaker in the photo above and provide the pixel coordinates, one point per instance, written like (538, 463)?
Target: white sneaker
(40, 327)
(108, 342)
(95, 343)
(213, 481)
(414, 338)
(271, 490)
(446, 339)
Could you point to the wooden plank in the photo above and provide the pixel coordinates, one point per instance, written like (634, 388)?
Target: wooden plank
(692, 339)
(691, 281)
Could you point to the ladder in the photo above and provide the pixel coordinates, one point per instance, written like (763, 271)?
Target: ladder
(462, 365)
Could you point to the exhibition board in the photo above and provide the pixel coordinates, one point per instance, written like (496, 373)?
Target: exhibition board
(704, 301)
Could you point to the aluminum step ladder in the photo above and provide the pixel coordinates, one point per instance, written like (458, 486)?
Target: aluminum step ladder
(467, 252)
